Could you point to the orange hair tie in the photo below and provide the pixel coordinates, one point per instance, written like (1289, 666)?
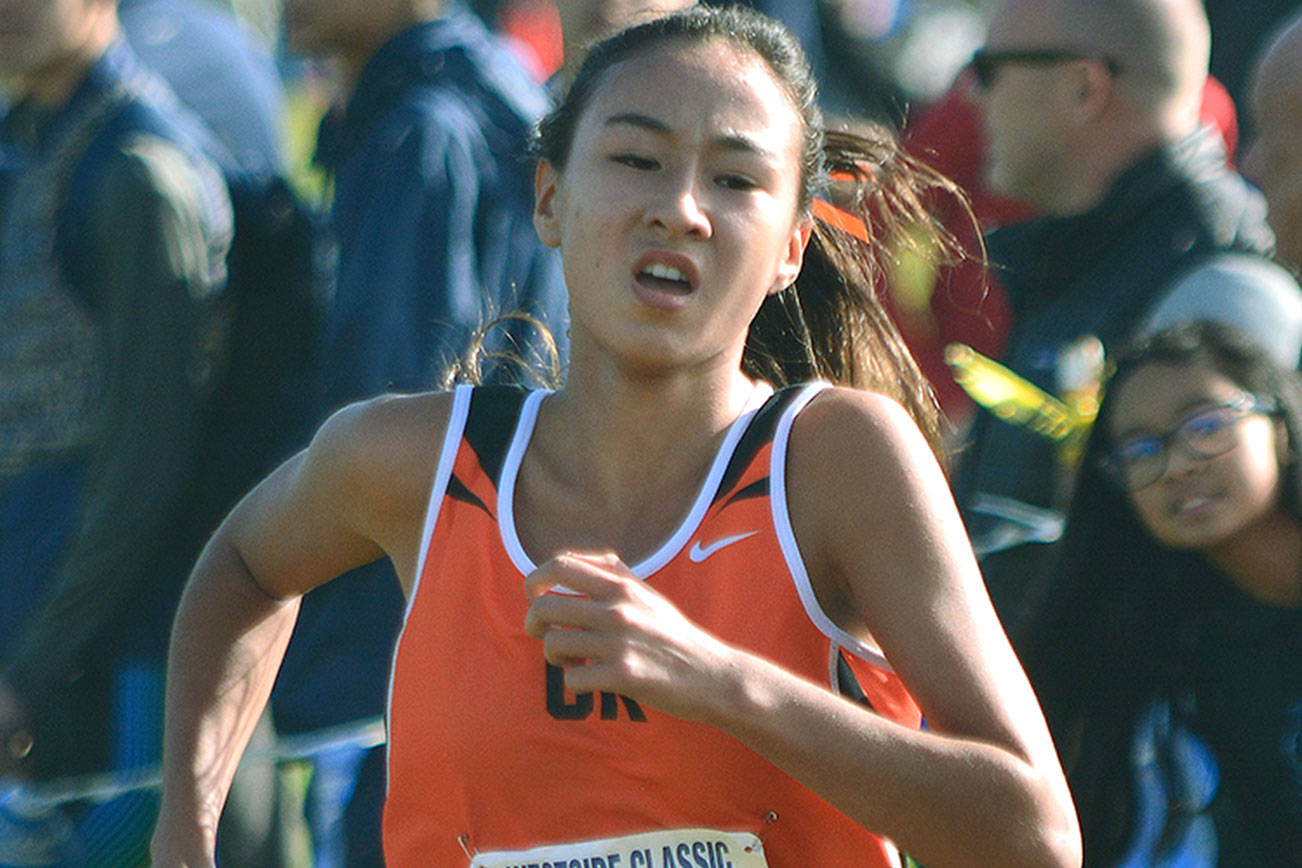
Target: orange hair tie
(841, 219)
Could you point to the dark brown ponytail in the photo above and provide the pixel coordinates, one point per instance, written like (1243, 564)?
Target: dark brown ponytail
(832, 324)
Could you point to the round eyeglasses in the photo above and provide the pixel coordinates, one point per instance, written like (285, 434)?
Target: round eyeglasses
(1138, 462)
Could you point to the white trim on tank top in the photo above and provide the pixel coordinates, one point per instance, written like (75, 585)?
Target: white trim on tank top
(442, 474)
(447, 460)
(679, 538)
(787, 537)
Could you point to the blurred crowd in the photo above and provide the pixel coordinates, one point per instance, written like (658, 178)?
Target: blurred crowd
(220, 222)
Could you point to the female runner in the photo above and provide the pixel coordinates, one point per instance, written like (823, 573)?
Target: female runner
(630, 598)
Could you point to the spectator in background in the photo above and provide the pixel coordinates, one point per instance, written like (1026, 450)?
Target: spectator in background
(1091, 114)
(1239, 28)
(223, 74)
(1274, 159)
(967, 303)
(219, 71)
(584, 22)
(1166, 654)
(113, 235)
(432, 211)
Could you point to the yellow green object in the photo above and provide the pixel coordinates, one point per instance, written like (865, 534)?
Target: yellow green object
(1019, 402)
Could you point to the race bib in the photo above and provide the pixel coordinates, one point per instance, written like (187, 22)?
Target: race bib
(675, 848)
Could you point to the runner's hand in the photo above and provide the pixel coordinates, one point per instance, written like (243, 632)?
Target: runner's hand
(617, 634)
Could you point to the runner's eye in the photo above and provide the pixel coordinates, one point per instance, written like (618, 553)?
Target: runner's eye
(736, 182)
(636, 161)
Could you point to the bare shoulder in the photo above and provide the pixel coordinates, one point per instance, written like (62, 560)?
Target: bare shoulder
(887, 553)
(356, 493)
(857, 441)
(387, 430)
(868, 497)
(384, 450)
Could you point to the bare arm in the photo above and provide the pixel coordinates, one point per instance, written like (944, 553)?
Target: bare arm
(227, 643)
(886, 548)
(889, 554)
(356, 493)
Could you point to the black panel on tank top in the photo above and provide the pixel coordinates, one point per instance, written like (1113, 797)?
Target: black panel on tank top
(759, 432)
(491, 423)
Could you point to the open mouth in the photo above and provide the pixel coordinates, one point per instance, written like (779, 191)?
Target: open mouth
(665, 278)
(1192, 506)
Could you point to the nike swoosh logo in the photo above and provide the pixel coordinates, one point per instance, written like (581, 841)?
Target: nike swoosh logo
(700, 552)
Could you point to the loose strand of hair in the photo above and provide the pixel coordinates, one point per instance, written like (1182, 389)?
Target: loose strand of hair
(479, 364)
(831, 323)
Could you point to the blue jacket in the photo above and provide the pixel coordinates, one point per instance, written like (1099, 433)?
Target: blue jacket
(433, 204)
(217, 70)
(92, 546)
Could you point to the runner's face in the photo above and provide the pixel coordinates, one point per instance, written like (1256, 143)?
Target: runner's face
(676, 210)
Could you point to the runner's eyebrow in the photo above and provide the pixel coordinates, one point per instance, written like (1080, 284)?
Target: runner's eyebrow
(727, 141)
(646, 122)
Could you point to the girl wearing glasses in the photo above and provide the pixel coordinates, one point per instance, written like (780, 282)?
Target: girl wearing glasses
(1168, 653)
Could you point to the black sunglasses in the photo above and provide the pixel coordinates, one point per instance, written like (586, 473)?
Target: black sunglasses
(985, 64)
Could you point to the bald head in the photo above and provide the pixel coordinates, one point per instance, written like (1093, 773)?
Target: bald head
(1274, 159)
(1074, 92)
(1161, 47)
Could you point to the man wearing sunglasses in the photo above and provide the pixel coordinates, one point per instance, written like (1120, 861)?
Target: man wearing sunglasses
(1091, 114)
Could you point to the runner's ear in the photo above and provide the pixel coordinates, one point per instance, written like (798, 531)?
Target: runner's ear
(545, 220)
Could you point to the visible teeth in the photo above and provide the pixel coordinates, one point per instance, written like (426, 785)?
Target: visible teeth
(665, 272)
(1192, 503)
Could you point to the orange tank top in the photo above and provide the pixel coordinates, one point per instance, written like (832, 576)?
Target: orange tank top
(490, 754)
